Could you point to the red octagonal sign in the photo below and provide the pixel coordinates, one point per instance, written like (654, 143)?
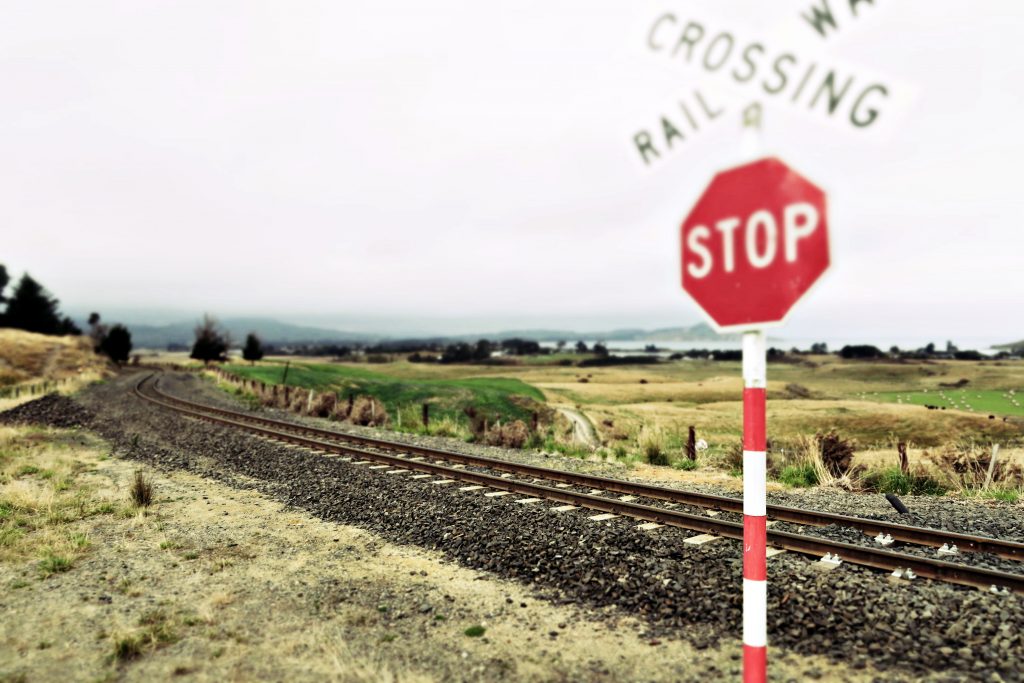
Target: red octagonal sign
(754, 244)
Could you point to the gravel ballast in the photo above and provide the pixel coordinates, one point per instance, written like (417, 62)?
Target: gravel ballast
(850, 614)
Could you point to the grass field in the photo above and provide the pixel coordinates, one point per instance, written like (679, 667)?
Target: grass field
(498, 397)
(874, 403)
(987, 402)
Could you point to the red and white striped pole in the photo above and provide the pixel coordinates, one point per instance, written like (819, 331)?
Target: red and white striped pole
(755, 532)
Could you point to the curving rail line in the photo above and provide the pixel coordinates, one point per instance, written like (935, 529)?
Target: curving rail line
(333, 442)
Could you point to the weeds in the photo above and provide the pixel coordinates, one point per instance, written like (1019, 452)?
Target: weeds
(475, 631)
(155, 631)
(652, 445)
(799, 476)
(54, 564)
(894, 480)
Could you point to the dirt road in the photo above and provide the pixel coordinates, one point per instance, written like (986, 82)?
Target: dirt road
(582, 430)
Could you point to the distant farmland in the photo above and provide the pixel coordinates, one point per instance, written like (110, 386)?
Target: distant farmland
(990, 402)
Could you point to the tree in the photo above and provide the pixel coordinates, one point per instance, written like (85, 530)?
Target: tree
(4, 279)
(600, 349)
(211, 341)
(482, 350)
(253, 349)
(117, 343)
(31, 308)
(861, 351)
(820, 348)
(560, 345)
(581, 346)
(97, 331)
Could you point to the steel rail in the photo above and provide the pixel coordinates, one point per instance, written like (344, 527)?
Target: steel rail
(871, 557)
(903, 533)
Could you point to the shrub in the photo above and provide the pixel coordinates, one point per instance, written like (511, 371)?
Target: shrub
(142, 490)
(836, 454)
(685, 464)
(511, 435)
(733, 459)
(894, 480)
(324, 404)
(475, 631)
(368, 411)
(54, 564)
(652, 444)
(800, 476)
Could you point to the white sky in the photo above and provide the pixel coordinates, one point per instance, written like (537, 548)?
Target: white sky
(472, 162)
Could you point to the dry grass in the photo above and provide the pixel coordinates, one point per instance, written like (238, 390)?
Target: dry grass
(142, 491)
(44, 499)
(26, 356)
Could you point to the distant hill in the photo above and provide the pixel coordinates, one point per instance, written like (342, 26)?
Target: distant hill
(269, 330)
(275, 332)
(698, 332)
(1012, 347)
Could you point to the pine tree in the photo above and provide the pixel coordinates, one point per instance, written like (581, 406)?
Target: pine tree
(253, 349)
(32, 308)
(117, 343)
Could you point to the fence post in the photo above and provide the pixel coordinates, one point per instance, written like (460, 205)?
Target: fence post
(426, 414)
(691, 444)
(991, 465)
(904, 460)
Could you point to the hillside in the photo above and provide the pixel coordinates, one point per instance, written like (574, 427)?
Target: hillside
(270, 331)
(1013, 347)
(698, 332)
(26, 356)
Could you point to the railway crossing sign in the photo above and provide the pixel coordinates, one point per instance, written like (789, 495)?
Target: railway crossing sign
(756, 241)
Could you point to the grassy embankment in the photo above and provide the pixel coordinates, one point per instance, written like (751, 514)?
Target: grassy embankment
(497, 397)
(28, 360)
(640, 411)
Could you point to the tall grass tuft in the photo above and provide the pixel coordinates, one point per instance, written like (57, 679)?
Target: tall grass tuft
(141, 491)
(652, 444)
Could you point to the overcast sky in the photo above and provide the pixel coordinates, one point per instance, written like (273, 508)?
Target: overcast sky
(458, 164)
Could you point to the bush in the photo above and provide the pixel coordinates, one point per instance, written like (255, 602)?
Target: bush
(368, 411)
(893, 480)
(861, 351)
(836, 454)
(685, 464)
(511, 435)
(799, 476)
(652, 445)
(324, 404)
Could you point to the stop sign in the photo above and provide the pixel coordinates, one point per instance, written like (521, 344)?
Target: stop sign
(754, 244)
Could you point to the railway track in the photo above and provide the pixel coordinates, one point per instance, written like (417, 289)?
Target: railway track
(410, 457)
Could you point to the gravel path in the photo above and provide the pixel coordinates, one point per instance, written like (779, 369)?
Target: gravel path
(851, 614)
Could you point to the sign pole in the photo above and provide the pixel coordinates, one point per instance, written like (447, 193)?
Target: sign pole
(755, 472)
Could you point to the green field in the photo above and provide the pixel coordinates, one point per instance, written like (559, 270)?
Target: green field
(497, 397)
(988, 402)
